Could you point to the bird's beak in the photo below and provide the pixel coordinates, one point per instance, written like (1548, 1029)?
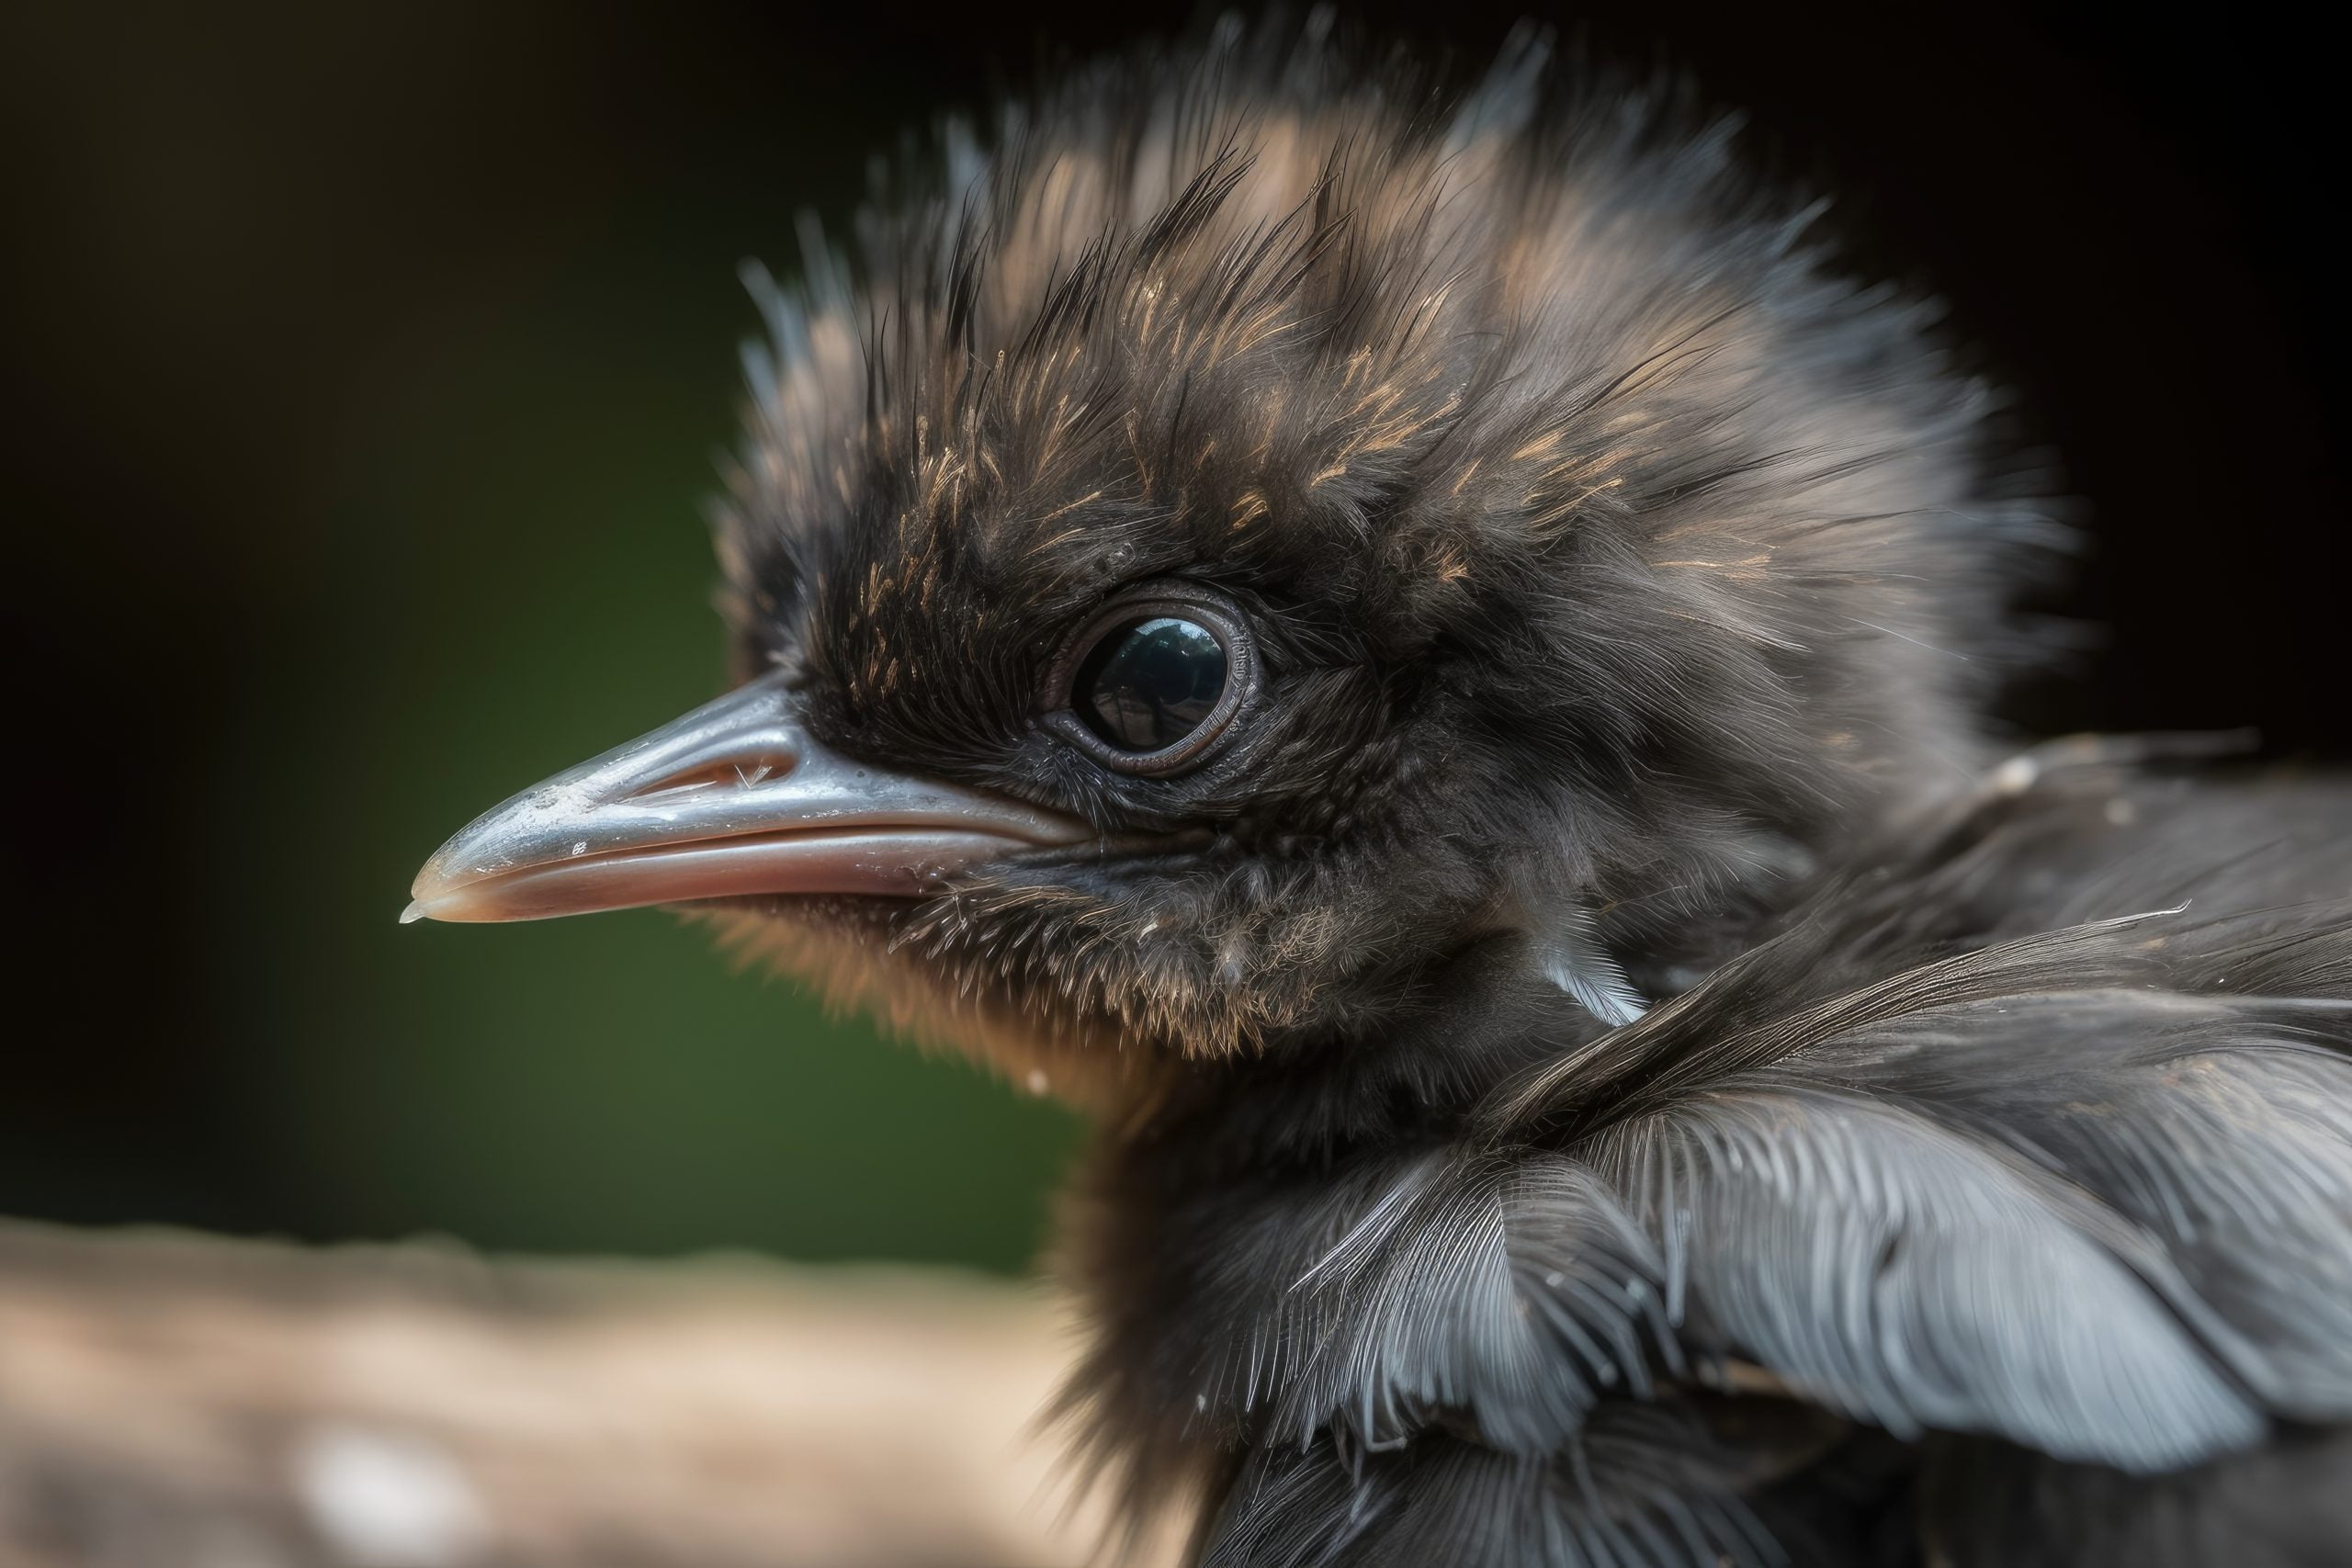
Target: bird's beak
(735, 798)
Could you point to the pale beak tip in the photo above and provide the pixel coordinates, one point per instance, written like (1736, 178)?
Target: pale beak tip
(415, 911)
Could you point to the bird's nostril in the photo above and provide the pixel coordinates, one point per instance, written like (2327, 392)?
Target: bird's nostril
(732, 772)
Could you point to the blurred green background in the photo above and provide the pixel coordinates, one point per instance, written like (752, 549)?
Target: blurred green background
(371, 361)
(411, 337)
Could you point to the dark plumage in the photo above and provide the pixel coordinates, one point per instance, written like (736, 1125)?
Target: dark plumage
(1594, 1062)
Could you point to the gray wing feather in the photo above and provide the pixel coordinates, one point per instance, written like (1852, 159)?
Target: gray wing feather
(1897, 1272)
(2223, 1133)
(1641, 1487)
(1513, 1293)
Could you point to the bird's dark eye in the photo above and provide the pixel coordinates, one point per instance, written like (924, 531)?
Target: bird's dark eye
(1148, 684)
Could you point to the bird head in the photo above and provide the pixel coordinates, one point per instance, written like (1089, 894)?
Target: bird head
(1256, 532)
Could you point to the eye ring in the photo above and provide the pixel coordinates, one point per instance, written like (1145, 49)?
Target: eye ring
(1174, 600)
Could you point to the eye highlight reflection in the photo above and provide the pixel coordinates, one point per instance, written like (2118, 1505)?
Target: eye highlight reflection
(1151, 685)
(1147, 684)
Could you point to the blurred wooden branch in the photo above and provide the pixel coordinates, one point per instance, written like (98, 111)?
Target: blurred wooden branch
(166, 1398)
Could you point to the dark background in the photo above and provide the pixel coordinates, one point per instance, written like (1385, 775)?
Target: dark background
(368, 362)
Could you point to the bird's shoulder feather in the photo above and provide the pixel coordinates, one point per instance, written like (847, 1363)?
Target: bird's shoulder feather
(2070, 1207)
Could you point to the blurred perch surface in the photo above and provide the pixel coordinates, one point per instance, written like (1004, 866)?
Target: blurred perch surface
(173, 1399)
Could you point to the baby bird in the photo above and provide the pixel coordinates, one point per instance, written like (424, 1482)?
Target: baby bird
(1418, 649)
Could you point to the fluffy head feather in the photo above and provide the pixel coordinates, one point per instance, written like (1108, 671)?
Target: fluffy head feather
(1606, 546)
